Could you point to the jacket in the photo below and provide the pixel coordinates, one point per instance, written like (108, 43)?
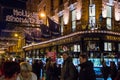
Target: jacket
(69, 71)
(86, 71)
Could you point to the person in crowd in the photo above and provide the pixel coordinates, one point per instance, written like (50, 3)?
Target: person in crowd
(59, 71)
(26, 72)
(118, 72)
(36, 68)
(113, 70)
(105, 70)
(86, 68)
(48, 68)
(41, 68)
(69, 71)
(53, 71)
(1, 68)
(11, 70)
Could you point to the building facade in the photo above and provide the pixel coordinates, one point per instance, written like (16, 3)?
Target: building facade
(90, 26)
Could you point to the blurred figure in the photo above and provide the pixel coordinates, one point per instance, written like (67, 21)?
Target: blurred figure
(105, 70)
(1, 68)
(59, 71)
(69, 71)
(86, 68)
(41, 68)
(11, 70)
(48, 68)
(113, 70)
(26, 72)
(36, 68)
(53, 71)
(118, 72)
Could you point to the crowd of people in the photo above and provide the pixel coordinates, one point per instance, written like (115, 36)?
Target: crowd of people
(23, 70)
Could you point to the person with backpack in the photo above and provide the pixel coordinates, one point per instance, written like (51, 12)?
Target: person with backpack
(86, 68)
(69, 71)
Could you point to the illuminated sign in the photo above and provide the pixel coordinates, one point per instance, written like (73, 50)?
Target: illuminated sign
(114, 38)
(88, 38)
(20, 16)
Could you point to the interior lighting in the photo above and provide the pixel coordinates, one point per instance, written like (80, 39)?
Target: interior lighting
(78, 9)
(66, 13)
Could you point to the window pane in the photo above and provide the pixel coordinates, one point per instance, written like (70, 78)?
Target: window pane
(78, 48)
(73, 15)
(73, 20)
(92, 20)
(105, 46)
(119, 47)
(92, 10)
(109, 46)
(73, 26)
(109, 23)
(109, 11)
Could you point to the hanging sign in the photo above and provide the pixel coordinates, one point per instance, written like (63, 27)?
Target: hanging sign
(20, 16)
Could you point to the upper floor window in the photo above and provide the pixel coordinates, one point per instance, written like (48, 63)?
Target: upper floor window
(109, 17)
(92, 20)
(73, 15)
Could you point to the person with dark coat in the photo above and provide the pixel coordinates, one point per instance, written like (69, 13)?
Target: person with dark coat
(11, 70)
(113, 70)
(105, 70)
(53, 71)
(86, 68)
(36, 68)
(118, 72)
(69, 71)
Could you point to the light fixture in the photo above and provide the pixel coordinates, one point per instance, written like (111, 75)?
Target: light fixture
(78, 9)
(117, 10)
(66, 13)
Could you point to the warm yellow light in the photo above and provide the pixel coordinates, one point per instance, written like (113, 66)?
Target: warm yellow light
(16, 35)
(42, 15)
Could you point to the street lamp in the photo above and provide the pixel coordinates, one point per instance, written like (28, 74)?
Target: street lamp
(42, 15)
(20, 42)
(16, 35)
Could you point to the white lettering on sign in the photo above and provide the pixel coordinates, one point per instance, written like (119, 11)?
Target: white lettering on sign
(21, 16)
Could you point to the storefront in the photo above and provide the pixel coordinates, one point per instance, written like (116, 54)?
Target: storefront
(95, 43)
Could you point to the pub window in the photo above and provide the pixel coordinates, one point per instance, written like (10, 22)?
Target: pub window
(92, 46)
(76, 48)
(37, 53)
(109, 17)
(73, 13)
(119, 47)
(107, 46)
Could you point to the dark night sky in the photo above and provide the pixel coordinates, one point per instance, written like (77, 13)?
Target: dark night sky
(18, 4)
(13, 3)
